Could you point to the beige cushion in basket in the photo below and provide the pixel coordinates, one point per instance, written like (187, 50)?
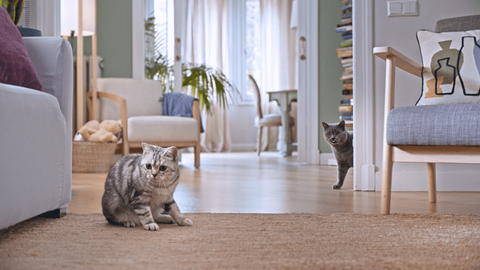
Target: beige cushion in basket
(162, 128)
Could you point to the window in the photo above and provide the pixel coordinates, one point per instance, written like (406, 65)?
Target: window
(245, 47)
(252, 44)
(244, 40)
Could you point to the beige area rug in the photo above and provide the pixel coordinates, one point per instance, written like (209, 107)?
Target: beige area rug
(248, 241)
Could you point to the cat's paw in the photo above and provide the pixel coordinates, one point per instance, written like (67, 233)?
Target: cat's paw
(186, 222)
(336, 186)
(151, 227)
(129, 224)
(166, 219)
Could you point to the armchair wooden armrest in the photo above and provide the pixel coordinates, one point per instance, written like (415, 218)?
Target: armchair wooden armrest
(393, 59)
(401, 61)
(123, 115)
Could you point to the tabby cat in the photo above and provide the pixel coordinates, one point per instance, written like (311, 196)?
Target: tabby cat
(341, 143)
(139, 189)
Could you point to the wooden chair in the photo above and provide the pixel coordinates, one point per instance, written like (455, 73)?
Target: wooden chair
(267, 120)
(447, 152)
(136, 103)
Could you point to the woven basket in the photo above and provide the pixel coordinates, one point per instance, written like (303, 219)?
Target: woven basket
(92, 157)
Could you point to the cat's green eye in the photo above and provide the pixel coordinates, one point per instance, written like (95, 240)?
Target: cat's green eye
(163, 168)
(149, 166)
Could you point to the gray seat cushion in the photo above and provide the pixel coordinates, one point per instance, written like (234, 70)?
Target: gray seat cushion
(453, 124)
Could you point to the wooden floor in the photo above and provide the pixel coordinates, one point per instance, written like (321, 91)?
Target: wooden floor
(245, 183)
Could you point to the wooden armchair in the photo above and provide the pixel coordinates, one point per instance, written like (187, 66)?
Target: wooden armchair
(136, 104)
(426, 134)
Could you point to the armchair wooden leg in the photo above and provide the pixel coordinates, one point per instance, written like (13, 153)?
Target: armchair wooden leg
(259, 140)
(197, 150)
(387, 179)
(432, 187)
(125, 149)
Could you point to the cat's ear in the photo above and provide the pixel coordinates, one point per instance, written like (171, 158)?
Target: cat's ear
(172, 153)
(342, 124)
(147, 148)
(325, 125)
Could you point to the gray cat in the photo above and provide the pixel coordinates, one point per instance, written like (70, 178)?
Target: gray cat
(139, 189)
(341, 143)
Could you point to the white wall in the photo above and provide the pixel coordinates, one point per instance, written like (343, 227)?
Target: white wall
(400, 33)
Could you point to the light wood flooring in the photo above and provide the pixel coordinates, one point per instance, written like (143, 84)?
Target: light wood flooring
(245, 183)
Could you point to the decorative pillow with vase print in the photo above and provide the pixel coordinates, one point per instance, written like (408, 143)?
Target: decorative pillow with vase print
(451, 67)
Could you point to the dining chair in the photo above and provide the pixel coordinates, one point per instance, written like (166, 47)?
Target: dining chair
(265, 120)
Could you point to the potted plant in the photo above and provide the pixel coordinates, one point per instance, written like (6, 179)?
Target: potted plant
(206, 83)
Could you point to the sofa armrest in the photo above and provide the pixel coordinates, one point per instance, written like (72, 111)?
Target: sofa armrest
(53, 61)
(401, 61)
(36, 154)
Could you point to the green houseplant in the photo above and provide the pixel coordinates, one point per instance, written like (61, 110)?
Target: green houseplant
(14, 9)
(206, 83)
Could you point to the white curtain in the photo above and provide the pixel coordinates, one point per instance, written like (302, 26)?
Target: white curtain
(206, 43)
(278, 58)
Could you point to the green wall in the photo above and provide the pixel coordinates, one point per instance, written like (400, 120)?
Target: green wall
(330, 86)
(114, 27)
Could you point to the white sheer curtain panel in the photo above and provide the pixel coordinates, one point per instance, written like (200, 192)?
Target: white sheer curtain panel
(278, 52)
(206, 43)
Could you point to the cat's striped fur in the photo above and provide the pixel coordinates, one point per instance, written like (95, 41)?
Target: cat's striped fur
(139, 189)
(341, 143)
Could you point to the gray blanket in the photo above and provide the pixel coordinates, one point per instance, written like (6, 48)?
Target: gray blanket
(178, 104)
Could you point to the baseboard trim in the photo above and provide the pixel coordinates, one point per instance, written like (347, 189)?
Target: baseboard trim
(325, 157)
(243, 147)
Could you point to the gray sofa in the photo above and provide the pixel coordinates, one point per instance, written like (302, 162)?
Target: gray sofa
(36, 136)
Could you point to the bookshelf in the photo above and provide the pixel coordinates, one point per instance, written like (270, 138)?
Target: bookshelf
(345, 54)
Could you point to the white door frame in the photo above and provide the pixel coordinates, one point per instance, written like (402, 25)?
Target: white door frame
(307, 126)
(307, 96)
(364, 96)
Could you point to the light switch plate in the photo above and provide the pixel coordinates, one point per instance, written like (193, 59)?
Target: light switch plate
(402, 8)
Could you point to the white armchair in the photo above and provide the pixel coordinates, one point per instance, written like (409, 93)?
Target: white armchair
(136, 103)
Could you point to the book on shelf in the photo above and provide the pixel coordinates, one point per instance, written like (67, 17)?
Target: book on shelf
(347, 101)
(345, 21)
(347, 117)
(346, 92)
(345, 108)
(347, 73)
(346, 42)
(347, 35)
(347, 86)
(345, 54)
(342, 29)
(345, 24)
(347, 8)
(346, 61)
